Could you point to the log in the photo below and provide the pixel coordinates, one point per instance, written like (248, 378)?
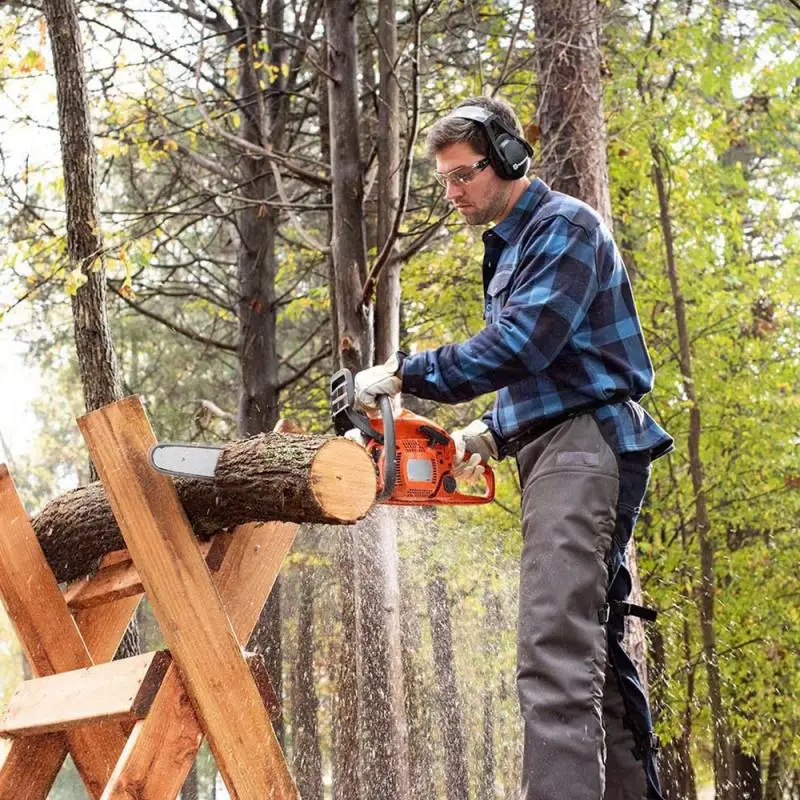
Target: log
(272, 476)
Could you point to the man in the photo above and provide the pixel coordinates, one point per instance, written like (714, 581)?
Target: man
(564, 350)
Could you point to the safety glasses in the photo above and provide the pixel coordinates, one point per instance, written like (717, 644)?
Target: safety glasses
(461, 176)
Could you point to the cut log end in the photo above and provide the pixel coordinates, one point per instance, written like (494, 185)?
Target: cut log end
(341, 463)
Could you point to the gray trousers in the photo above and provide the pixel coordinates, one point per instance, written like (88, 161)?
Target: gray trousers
(587, 727)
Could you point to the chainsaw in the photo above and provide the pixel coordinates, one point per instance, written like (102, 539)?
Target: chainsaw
(413, 455)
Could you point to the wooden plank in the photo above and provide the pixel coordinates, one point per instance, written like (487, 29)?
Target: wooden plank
(189, 610)
(163, 746)
(103, 627)
(120, 690)
(113, 582)
(48, 635)
(258, 669)
(29, 766)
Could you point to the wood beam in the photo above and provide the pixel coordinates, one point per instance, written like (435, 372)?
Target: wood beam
(120, 691)
(52, 643)
(180, 589)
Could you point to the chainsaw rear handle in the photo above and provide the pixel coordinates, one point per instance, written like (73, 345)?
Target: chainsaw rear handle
(475, 499)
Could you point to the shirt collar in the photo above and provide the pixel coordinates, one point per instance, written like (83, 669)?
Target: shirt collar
(510, 228)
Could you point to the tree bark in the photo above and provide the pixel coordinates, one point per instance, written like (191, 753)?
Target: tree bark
(345, 702)
(96, 360)
(268, 477)
(97, 363)
(190, 787)
(573, 155)
(747, 774)
(354, 319)
(377, 567)
(257, 224)
(305, 738)
(570, 101)
(418, 708)
(702, 522)
(450, 715)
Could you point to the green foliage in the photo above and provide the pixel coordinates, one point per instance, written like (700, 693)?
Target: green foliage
(709, 89)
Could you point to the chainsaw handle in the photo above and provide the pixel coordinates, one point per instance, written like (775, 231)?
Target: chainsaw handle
(389, 447)
(476, 499)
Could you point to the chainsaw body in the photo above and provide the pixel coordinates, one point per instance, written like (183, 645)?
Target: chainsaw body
(414, 456)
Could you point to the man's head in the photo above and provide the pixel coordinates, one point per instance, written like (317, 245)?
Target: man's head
(482, 181)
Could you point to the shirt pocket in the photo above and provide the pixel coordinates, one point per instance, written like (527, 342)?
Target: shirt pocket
(497, 295)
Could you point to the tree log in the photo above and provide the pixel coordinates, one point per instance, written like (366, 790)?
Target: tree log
(272, 476)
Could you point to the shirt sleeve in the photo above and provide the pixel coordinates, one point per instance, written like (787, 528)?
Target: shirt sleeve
(551, 290)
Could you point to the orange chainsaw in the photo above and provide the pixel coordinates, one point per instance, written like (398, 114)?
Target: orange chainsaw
(414, 456)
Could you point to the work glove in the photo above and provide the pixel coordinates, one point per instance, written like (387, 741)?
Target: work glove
(357, 436)
(375, 381)
(474, 444)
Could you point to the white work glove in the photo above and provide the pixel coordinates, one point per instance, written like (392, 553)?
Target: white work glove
(375, 381)
(477, 440)
(357, 436)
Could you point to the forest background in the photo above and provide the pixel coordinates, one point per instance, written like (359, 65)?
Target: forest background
(222, 135)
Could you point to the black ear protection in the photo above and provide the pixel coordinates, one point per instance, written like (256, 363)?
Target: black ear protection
(509, 155)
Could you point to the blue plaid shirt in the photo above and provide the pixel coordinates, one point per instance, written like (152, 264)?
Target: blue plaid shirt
(561, 331)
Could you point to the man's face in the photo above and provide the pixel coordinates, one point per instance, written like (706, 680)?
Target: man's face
(484, 197)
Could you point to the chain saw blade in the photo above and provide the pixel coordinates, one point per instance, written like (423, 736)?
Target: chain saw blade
(185, 460)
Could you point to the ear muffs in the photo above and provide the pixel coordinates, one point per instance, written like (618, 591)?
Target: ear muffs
(509, 155)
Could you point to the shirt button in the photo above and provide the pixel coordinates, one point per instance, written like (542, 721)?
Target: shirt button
(430, 369)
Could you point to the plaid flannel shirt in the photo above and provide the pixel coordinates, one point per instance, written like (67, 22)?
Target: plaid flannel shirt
(561, 331)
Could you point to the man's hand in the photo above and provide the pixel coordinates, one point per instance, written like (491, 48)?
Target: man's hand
(375, 381)
(477, 440)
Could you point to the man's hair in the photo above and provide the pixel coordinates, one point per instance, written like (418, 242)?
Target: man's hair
(452, 130)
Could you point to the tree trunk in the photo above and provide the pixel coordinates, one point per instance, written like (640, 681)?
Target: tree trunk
(353, 318)
(774, 790)
(345, 701)
(379, 759)
(96, 360)
(747, 774)
(675, 761)
(487, 773)
(346, 711)
(450, 715)
(702, 523)
(305, 739)
(573, 155)
(190, 788)
(418, 707)
(268, 477)
(257, 225)
(377, 571)
(97, 363)
(353, 348)
(570, 101)
(381, 682)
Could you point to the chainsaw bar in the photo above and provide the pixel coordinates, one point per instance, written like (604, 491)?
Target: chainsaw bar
(186, 460)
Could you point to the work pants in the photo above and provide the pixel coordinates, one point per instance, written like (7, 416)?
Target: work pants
(588, 733)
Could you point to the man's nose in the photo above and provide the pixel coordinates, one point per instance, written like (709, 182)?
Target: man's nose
(454, 190)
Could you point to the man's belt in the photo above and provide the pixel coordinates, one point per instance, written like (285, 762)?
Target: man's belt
(538, 429)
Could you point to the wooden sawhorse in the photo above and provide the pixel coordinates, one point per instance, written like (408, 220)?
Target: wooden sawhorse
(133, 727)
